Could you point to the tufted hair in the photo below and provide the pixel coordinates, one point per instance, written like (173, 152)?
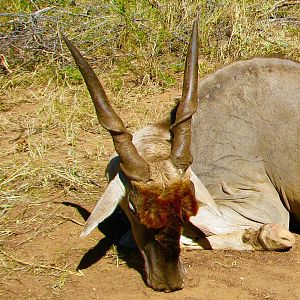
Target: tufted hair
(160, 205)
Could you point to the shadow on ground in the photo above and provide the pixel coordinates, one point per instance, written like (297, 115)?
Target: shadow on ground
(114, 227)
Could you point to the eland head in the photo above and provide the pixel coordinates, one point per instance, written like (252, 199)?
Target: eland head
(153, 188)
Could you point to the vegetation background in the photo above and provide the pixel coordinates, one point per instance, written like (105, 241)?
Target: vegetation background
(51, 146)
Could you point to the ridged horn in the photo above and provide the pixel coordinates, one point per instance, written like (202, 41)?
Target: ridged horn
(181, 155)
(132, 164)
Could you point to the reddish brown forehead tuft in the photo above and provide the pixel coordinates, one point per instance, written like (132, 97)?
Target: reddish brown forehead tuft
(157, 205)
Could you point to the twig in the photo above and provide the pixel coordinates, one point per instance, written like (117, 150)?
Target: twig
(278, 5)
(288, 3)
(4, 65)
(15, 174)
(285, 20)
(71, 220)
(76, 15)
(43, 10)
(14, 15)
(47, 267)
(233, 264)
(35, 13)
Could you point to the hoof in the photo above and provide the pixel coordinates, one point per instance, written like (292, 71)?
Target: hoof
(275, 237)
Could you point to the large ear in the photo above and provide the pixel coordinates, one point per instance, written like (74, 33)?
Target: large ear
(112, 196)
(203, 196)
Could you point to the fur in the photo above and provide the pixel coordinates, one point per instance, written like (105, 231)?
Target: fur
(158, 206)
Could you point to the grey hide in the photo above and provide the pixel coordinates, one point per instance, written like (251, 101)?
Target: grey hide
(246, 152)
(246, 148)
(246, 158)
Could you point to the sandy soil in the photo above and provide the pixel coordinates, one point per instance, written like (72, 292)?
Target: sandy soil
(39, 260)
(107, 274)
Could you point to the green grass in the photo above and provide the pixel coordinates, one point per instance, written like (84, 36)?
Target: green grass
(137, 48)
(143, 42)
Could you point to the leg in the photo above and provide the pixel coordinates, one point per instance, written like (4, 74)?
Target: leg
(272, 237)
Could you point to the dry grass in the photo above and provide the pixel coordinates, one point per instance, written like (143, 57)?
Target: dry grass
(52, 148)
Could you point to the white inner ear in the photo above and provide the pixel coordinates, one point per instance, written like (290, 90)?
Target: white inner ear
(112, 196)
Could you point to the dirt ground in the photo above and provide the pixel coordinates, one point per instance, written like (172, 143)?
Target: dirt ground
(41, 248)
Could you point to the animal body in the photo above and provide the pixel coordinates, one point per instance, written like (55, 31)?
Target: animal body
(225, 174)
